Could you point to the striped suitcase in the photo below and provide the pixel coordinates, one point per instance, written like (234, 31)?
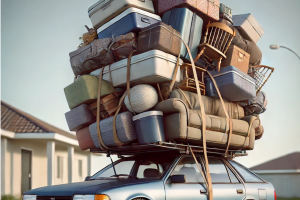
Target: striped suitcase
(125, 130)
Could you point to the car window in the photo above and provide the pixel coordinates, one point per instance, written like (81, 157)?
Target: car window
(153, 166)
(218, 171)
(188, 167)
(232, 176)
(121, 168)
(247, 176)
(147, 166)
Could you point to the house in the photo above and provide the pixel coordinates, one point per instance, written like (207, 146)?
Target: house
(36, 154)
(283, 173)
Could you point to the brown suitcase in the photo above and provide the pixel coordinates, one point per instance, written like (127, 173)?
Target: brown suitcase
(236, 57)
(84, 138)
(108, 106)
(159, 36)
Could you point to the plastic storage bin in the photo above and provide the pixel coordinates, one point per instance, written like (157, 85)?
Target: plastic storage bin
(131, 20)
(149, 127)
(234, 85)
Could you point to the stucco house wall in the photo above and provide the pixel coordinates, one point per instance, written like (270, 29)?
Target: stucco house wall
(286, 184)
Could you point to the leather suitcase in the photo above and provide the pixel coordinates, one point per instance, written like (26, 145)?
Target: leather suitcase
(159, 36)
(84, 90)
(108, 104)
(151, 67)
(131, 20)
(248, 26)
(256, 105)
(79, 117)
(237, 57)
(125, 130)
(91, 57)
(84, 138)
(189, 25)
(234, 85)
(105, 10)
(208, 10)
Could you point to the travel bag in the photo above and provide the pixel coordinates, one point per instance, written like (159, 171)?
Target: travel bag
(250, 47)
(79, 117)
(84, 138)
(248, 26)
(151, 67)
(105, 10)
(236, 57)
(159, 36)
(108, 106)
(131, 20)
(208, 10)
(189, 25)
(84, 90)
(91, 57)
(256, 105)
(125, 130)
(234, 85)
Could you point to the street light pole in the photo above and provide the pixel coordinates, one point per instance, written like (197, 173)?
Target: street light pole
(277, 47)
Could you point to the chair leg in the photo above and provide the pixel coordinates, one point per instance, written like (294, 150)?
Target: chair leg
(219, 64)
(200, 54)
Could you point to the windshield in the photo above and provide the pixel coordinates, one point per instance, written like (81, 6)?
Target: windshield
(138, 167)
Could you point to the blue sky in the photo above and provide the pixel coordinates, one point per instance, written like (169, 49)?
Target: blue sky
(37, 37)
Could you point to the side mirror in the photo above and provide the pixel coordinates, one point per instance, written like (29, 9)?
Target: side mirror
(87, 178)
(178, 178)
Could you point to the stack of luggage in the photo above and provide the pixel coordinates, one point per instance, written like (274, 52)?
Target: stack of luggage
(158, 71)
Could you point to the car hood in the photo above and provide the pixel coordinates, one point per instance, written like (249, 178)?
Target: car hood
(87, 187)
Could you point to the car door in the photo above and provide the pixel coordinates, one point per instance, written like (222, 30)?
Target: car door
(256, 187)
(224, 183)
(193, 185)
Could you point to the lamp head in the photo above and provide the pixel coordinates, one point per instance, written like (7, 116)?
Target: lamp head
(273, 46)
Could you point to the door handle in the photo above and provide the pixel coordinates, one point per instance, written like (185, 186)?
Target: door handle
(240, 191)
(203, 191)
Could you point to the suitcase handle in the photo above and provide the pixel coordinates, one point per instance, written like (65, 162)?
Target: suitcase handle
(146, 20)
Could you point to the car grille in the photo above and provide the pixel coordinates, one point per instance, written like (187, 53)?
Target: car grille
(53, 198)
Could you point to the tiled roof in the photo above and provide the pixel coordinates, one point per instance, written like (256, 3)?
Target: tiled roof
(287, 162)
(17, 121)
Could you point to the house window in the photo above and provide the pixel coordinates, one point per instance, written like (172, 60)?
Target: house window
(80, 167)
(59, 167)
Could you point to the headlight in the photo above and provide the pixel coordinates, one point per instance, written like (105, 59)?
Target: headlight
(29, 197)
(90, 197)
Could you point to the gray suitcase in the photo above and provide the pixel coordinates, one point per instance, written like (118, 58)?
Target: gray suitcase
(189, 25)
(125, 130)
(79, 117)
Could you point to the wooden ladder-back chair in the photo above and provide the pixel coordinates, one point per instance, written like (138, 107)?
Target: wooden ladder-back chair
(261, 74)
(217, 39)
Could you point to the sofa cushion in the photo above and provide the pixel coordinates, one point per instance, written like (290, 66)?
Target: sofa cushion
(215, 123)
(212, 106)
